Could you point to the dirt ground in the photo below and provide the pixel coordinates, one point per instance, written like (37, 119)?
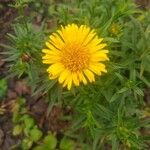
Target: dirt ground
(17, 88)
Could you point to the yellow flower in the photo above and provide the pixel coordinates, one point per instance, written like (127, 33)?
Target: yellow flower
(115, 29)
(74, 54)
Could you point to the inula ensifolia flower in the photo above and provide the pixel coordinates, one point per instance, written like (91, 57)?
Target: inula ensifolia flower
(74, 54)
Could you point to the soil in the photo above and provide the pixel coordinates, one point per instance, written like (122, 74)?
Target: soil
(143, 4)
(17, 88)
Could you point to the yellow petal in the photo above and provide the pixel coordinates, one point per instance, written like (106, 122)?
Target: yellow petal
(82, 33)
(70, 33)
(68, 82)
(55, 69)
(89, 75)
(47, 61)
(50, 46)
(89, 37)
(75, 79)
(99, 56)
(95, 68)
(61, 35)
(101, 46)
(48, 56)
(52, 77)
(93, 47)
(56, 40)
(63, 76)
(51, 52)
(82, 78)
(98, 66)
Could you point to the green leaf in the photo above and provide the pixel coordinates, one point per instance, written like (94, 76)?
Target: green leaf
(17, 130)
(124, 89)
(104, 112)
(51, 141)
(15, 117)
(36, 134)
(112, 40)
(115, 142)
(41, 147)
(139, 91)
(67, 144)
(3, 88)
(114, 97)
(7, 47)
(21, 102)
(26, 144)
(29, 122)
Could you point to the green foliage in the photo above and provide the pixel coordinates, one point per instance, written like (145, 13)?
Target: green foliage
(26, 144)
(50, 141)
(17, 130)
(41, 147)
(21, 3)
(3, 88)
(24, 51)
(25, 125)
(36, 134)
(111, 110)
(67, 144)
(1, 6)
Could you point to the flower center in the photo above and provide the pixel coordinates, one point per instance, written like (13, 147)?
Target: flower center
(75, 57)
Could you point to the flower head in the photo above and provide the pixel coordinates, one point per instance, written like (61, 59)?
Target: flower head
(115, 29)
(74, 54)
